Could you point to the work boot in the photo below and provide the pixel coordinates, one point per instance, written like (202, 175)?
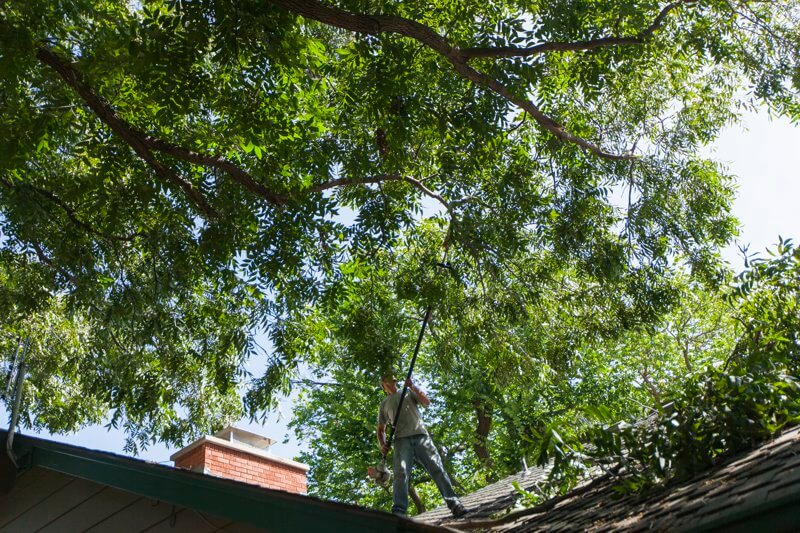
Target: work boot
(458, 510)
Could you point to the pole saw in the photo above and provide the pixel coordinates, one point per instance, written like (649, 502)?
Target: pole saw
(380, 473)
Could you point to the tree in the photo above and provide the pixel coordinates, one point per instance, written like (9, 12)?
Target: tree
(509, 369)
(182, 175)
(151, 371)
(744, 395)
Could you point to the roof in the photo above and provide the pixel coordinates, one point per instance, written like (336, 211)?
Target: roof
(494, 498)
(62, 487)
(754, 490)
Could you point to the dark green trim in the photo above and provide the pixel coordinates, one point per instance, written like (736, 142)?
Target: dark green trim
(269, 509)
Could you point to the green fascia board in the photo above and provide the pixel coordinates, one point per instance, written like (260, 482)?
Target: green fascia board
(264, 508)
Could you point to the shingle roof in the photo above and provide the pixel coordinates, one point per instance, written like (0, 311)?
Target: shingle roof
(493, 498)
(755, 490)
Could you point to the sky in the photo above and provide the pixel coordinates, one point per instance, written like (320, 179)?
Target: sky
(765, 155)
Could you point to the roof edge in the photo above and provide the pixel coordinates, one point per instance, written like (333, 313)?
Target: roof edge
(776, 514)
(264, 508)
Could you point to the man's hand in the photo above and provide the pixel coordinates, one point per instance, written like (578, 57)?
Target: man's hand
(381, 433)
(421, 396)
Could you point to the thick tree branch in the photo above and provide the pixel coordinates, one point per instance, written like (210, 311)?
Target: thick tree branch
(591, 44)
(236, 173)
(144, 145)
(484, 419)
(134, 138)
(377, 24)
(412, 492)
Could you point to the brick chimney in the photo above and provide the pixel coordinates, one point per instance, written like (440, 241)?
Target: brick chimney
(234, 453)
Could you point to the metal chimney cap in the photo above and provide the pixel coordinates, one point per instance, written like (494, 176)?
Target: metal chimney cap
(234, 434)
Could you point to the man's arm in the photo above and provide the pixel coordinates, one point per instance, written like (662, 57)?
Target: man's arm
(382, 438)
(421, 396)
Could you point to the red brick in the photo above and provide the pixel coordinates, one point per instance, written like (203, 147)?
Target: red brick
(234, 464)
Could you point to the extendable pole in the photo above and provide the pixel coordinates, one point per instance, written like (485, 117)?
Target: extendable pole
(408, 376)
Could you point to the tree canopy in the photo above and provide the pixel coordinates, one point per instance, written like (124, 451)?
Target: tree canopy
(177, 177)
(715, 375)
(502, 390)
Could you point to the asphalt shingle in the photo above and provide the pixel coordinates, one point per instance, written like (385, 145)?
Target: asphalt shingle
(762, 475)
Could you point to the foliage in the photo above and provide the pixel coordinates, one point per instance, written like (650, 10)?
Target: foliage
(179, 176)
(731, 405)
(505, 366)
(173, 374)
(342, 452)
(527, 498)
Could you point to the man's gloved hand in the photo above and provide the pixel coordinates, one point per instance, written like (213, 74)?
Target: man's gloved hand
(409, 383)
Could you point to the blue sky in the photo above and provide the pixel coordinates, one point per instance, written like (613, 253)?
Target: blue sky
(763, 153)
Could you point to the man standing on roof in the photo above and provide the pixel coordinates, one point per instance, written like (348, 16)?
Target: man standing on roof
(411, 442)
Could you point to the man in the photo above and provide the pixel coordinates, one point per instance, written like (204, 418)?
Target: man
(411, 441)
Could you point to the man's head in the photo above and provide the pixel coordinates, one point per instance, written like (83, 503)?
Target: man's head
(389, 383)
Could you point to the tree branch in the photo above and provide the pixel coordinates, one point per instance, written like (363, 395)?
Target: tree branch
(49, 262)
(312, 383)
(380, 179)
(144, 144)
(236, 173)
(412, 492)
(70, 212)
(134, 138)
(591, 44)
(650, 386)
(377, 24)
(484, 419)
(515, 51)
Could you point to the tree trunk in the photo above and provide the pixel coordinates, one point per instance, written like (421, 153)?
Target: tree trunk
(654, 392)
(686, 360)
(412, 493)
(482, 432)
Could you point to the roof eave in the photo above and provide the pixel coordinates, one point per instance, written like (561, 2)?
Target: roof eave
(264, 508)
